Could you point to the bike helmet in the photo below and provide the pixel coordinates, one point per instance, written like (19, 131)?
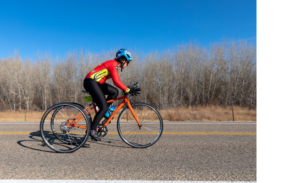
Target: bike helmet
(124, 53)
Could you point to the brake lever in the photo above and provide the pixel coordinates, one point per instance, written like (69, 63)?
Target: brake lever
(137, 85)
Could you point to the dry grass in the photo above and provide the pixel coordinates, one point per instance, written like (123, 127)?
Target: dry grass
(19, 116)
(208, 113)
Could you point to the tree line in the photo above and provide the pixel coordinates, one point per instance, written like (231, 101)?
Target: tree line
(186, 76)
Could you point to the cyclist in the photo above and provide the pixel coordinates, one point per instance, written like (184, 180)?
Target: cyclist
(95, 84)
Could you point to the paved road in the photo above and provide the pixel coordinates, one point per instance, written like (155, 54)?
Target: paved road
(176, 156)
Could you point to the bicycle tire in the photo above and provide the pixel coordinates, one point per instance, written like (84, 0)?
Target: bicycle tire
(58, 136)
(146, 135)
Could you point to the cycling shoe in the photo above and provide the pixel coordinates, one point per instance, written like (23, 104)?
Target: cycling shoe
(94, 136)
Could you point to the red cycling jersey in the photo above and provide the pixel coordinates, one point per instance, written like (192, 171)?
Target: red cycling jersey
(107, 70)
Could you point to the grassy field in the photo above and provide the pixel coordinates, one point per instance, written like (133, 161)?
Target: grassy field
(207, 113)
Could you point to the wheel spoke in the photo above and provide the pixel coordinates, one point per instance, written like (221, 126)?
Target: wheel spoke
(62, 114)
(150, 129)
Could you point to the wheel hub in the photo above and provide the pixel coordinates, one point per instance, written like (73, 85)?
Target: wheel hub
(64, 127)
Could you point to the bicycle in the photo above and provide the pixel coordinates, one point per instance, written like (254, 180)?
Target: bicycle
(69, 126)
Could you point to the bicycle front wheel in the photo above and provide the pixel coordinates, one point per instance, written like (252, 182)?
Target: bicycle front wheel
(144, 136)
(59, 133)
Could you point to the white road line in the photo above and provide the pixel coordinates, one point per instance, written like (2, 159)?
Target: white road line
(112, 181)
(165, 123)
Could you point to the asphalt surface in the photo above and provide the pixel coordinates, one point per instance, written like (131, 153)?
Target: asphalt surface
(176, 156)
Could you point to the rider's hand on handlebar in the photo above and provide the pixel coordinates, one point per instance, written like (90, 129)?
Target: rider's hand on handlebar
(134, 89)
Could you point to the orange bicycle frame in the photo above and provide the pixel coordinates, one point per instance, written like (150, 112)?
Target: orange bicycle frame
(92, 106)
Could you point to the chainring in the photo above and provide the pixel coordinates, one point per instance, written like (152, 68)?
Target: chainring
(102, 131)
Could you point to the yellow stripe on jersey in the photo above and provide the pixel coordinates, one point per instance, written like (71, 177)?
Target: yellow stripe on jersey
(99, 75)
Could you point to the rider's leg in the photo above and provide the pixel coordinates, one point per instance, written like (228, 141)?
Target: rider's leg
(109, 90)
(94, 89)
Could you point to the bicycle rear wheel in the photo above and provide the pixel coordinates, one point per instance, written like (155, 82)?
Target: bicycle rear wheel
(57, 134)
(144, 136)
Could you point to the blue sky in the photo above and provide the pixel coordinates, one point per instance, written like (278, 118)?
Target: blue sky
(56, 27)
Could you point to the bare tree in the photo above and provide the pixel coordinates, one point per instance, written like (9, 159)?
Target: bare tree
(188, 75)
